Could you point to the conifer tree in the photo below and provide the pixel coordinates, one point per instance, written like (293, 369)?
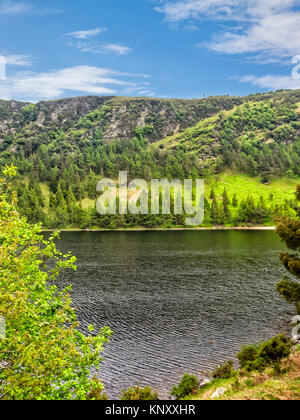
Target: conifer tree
(61, 202)
(235, 201)
(214, 214)
(289, 231)
(226, 211)
(221, 215)
(225, 198)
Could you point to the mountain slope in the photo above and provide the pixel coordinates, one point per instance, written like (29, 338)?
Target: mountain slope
(115, 117)
(62, 148)
(254, 138)
(204, 129)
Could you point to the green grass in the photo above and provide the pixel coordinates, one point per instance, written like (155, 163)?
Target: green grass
(189, 136)
(268, 385)
(243, 186)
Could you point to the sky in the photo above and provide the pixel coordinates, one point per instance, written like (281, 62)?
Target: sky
(147, 48)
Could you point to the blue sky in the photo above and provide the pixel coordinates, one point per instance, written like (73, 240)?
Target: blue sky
(161, 48)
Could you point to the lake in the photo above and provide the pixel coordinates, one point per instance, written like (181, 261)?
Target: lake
(177, 301)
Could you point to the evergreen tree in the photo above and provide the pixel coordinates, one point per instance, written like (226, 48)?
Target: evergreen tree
(226, 211)
(289, 231)
(235, 202)
(221, 215)
(61, 202)
(214, 213)
(225, 198)
(212, 195)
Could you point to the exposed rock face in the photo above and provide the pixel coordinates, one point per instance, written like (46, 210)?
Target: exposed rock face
(84, 119)
(116, 118)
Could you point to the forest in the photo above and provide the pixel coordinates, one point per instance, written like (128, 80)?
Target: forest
(63, 148)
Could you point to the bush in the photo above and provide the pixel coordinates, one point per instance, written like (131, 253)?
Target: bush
(97, 393)
(276, 349)
(188, 385)
(43, 355)
(248, 354)
(225, 371)
(137, 393)
(268, 353)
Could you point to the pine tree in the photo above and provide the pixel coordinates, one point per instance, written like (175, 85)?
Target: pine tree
(235, 202)
(225, 198)
(226, 211)
(212, 195)
(289, 231)
(61, 202)
(221, 215)
(214, 213)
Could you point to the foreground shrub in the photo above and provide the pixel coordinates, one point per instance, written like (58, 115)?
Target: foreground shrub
(268, 353)
(188, 385)
(136, 393)
(97, 393)
(225, 371)
(248, 354)
(43, 356)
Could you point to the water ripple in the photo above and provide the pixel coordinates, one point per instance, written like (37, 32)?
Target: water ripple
(177, 301)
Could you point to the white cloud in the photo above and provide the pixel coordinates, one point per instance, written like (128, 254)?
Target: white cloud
(277, 34)
(192, 9)
(116, 48)
(147, 93)
(90, 46)
(9, 7)
(271, 27)
(18, 60)
(97, 48)
(31, 86)
(272, 82)
(86, 34)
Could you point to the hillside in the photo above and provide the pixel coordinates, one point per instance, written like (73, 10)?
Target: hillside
(116, 118)
(63, 147)
(268, 385)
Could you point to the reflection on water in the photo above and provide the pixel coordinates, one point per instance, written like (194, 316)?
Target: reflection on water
(177, 301)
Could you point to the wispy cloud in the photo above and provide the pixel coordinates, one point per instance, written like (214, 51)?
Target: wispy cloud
(265, 31)
(87, 44)
(86, 34)
(272, 82)
(117, 48)
(31, 86)
(9, 7)
(179, 11)
(18, 60)
(270, 27)
(277, 35)
(97, 48)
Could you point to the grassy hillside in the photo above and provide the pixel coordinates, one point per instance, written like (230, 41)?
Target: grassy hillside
(276, 193)
(255, 138)
(249, 146)
(268, 385)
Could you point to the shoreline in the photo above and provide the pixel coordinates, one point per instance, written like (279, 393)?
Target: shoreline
(216, 229)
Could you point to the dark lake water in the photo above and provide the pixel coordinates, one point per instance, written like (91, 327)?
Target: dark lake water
(177, 301)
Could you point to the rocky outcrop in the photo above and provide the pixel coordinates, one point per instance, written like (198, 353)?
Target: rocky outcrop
(114, 117)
